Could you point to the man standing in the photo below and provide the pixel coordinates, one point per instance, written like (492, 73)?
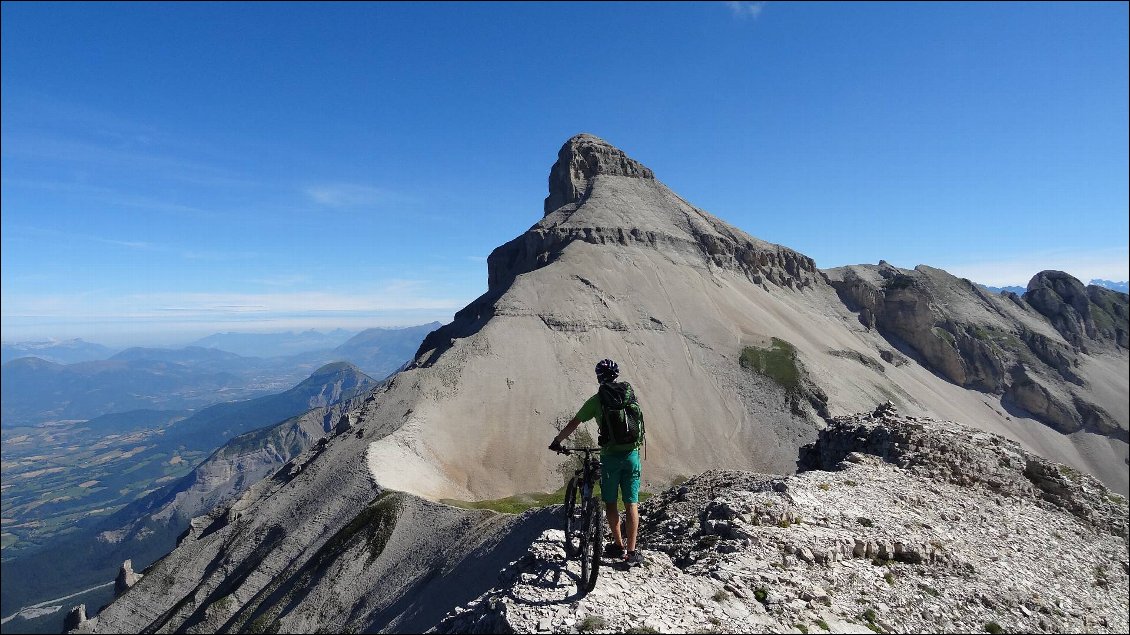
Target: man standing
(620, 421)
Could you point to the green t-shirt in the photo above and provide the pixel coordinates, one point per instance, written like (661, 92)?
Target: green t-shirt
(591, 410)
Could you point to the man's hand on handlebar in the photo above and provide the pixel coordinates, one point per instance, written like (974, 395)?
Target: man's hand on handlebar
(556, 446)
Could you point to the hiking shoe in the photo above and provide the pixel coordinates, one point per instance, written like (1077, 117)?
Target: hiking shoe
(613, 550)
(633, 558)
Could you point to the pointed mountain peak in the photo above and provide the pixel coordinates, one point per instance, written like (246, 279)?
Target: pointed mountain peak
(579, 161)
(332, 371)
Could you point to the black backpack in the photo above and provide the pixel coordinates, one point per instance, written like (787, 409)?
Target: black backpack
(621, 420)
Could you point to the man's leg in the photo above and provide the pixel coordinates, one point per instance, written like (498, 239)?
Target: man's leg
(631, 486)
(609, 490)
(633, 522)
(612, 512)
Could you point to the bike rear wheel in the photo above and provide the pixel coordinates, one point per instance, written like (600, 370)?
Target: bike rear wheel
(592, 545)
(572, 517)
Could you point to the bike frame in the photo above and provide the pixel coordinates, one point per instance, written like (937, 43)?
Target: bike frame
(589, 533)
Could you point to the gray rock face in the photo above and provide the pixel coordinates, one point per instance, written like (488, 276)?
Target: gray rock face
(1081, 314)
(1026, 349)
(949, 452)
(894, 545)
(126, 578)
(76, 618)
(580, 160)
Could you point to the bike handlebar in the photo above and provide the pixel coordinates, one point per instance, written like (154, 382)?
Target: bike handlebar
(564, 450)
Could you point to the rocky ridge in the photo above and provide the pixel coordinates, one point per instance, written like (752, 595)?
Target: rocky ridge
(1031, 350)
(942, 536)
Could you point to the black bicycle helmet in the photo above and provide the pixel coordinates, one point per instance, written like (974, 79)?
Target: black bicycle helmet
(606, 370)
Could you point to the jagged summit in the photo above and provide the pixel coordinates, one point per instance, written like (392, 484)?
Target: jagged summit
(582, 158)
(598, 195)
(1080, 313)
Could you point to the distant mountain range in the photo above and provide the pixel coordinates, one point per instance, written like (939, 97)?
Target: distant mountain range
(274, 344)
(58, 351)
(37, 390)
(1123, 286)
(1018, 290)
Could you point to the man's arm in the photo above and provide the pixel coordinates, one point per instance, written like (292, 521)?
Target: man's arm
(564, 434)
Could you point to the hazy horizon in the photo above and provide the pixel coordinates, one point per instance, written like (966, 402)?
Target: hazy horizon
(166, 339)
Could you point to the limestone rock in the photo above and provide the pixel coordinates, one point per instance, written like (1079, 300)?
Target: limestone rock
(949, 452)
(76, 618)
(582, 158)
(126, 578)
(1081, 314)
(1026, 350)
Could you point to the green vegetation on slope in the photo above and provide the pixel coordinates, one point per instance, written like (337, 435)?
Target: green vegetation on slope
(778, 362)
(522, 502)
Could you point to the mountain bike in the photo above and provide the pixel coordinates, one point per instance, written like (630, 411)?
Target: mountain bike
(584, 518)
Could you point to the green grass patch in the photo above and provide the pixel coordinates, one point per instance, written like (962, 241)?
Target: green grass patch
(778, 362)
(592, 623)
(377, 521)
(943, 334)
(514, 504)
(522, 502)
(824, 625)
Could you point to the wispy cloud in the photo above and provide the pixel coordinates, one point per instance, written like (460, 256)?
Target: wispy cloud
(95, 154)
(351, 195)
(76, 136)
(72, 238)
(98, 316)
(1108, 264)
(112, 197)
(395, 295)
(746, 9)
(57, 236)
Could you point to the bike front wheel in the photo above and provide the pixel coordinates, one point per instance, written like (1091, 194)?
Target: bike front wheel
(572, 518)
(592, 546)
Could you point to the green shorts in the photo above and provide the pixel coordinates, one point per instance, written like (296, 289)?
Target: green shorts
(620, 473)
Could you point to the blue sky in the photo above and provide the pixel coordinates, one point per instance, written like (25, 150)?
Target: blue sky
(173, 170)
